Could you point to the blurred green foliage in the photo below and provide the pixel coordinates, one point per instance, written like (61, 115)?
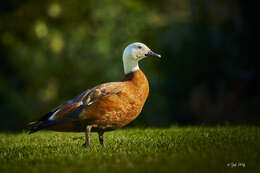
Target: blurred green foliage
(51, 51)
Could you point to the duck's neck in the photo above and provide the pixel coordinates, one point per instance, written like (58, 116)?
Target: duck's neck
(137, 78)
(130, 65)
(137, 85)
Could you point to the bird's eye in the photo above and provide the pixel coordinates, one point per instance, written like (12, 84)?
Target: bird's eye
(139, 47)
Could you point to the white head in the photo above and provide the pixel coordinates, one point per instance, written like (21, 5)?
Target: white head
(134, 53)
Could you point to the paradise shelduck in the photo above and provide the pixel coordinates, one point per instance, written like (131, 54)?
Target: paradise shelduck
(105, 107)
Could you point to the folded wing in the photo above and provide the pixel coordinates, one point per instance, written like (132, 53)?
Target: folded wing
(69, 112)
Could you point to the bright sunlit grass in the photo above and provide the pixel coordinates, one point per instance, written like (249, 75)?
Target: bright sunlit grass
(176, 149)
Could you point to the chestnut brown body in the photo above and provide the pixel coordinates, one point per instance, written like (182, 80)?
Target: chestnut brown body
(105, 107)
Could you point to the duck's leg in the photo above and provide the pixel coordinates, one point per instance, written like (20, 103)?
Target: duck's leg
(101, 138)
(87, 135)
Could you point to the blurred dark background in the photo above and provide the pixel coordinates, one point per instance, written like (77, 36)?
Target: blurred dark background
(52, 50)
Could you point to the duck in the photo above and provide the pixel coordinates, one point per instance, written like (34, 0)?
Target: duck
(105, 107)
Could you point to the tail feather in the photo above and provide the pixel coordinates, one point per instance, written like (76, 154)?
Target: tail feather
(44, 122)
(35, 126)
(39, 125)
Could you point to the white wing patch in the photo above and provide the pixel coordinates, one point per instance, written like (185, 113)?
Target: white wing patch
(52, 116)
(61, 108)
(90, 103)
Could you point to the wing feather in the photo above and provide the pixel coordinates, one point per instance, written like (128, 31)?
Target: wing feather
(70, 111)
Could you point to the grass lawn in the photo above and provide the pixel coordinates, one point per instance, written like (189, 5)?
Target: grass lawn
(176, 149)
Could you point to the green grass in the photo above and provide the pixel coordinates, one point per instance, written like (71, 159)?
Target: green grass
(176, 149)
